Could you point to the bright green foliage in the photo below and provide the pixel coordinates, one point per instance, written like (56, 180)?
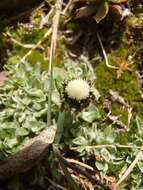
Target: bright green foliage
(23, 103)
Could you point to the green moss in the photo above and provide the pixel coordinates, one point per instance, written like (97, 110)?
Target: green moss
(22, 35)
(127, 86)
(119, 111)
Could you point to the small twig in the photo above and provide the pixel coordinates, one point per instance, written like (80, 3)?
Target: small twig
(80, 164)
(115, 97)
(68, 176)
(130, 168)
(56, 185)
(28, 46)
(115, 120)
(83, 172)
(86, 174)
(89, 168)
(104, 53)
(45, 35)
(52, 54)
(137, 50)
(79, 180)
(111, 146)
(36, 45)
(45, 19)
(40, 41)
(67, 7)
(91, 70)
(129, 116)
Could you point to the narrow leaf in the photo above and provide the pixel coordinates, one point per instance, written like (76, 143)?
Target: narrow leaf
(118, 1)
(102, 12)
(60, 127)
(87, 11)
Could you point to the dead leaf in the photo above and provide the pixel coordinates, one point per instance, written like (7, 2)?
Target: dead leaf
(117, 10)
(3, 77)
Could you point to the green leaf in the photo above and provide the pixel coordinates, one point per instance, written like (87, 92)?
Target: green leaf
(37, 93)
(118, 1)
(37, 106)
(26, 101)
(21, 132)
(105, 154)
(60, 127)
(11, 142)
(101, 166)
(21, 117)
(140, 165)
(80, 141)
(40, 113)
(59, 72)
(33, 125)
(87, 11)
(91, 114)
(95, 92)
(139, 123)
(102, 12)
(109, 135)
(56, 98)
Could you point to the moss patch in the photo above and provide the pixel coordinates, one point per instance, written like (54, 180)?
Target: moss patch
(127, 86)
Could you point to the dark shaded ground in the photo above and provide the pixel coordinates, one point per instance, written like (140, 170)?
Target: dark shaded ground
(11, 8)
(85, 36)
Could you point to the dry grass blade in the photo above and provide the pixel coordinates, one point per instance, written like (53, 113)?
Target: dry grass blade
(52, 53)
(8, 35)
(108, 179)
(64, 167)
(104, 53)
(46, 34)
(129, 116)
(49, 31)
(67, 7)
(80, 163)
(80, 170)
(111, 146)
(130, 168)
(36, 45)
(80, 181)
(56, 185)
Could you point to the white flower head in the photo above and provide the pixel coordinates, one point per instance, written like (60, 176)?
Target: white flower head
(78, 89)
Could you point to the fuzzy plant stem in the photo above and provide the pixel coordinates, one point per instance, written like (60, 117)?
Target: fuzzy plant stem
(52, 54)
